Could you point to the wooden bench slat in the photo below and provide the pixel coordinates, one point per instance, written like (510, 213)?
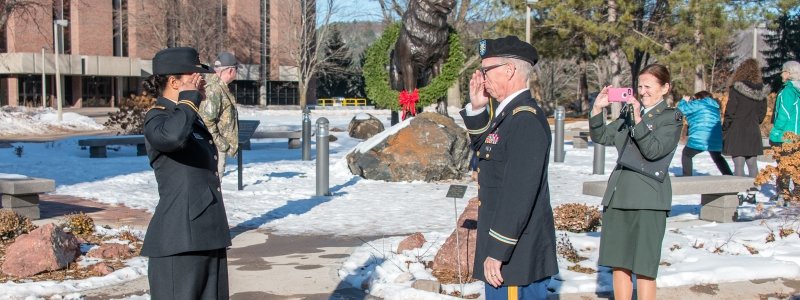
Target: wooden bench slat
(112, 140)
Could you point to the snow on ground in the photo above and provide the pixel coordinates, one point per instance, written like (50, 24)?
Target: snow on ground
(279, 195)
(15, 121)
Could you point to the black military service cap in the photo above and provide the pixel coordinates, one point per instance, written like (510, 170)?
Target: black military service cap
(178, 60)
(509, 46)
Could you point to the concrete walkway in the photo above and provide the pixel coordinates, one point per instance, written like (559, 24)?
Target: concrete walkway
(260, 265)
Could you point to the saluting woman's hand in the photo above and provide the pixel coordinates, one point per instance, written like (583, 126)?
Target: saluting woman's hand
(194, 83)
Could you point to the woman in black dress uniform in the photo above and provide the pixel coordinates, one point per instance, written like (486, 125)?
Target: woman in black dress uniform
(187, 237)
(635, 206)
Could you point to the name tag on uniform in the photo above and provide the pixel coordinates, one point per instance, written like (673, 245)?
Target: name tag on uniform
(493, 138)
(197, 136)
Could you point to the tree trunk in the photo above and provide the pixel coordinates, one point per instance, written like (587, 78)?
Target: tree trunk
(615, 55)
(699, 83)
(584, 85)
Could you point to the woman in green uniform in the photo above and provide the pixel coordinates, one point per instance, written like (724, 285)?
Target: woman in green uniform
(636, 205)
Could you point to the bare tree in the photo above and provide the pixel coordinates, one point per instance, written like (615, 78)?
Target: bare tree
(308, 31)
(9, 8)
(556, 77)
(172, 23)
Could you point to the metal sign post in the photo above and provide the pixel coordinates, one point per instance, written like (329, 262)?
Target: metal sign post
(456, 192)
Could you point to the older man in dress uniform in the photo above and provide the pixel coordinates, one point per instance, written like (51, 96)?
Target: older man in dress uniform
(188, 235)
(516, 247)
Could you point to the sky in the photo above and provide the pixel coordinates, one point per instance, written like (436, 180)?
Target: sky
(355, 10)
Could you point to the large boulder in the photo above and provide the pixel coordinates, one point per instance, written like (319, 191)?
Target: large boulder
(47, 248)
(446, 260)
(430, 147)
(364, 126)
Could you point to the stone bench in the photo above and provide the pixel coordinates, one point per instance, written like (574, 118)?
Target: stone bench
(97, 145)
(21, 195)
(718, 194)
(293, 136)
(580, 139)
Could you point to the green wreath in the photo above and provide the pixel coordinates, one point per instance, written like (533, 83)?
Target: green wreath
(376, 73)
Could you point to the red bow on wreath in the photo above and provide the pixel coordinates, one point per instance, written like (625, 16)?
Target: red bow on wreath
(408, 102)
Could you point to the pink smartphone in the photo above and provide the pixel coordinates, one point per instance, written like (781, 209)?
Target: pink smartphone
(619, 94)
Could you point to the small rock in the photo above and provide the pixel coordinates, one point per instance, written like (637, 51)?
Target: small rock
(111, 251)
(414, 241)
(364, 126)
(101, 268)
(404, 277)
(432, 286)
(47, 248)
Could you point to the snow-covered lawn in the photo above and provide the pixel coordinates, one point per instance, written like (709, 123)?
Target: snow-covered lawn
(279, 194)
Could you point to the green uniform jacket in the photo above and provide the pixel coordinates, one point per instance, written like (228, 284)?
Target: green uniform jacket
(219, 114)
(656, 136)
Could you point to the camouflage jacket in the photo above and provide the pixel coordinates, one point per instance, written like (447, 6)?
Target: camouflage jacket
(219, 114)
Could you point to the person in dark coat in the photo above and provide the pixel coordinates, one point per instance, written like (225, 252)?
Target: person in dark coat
(516, 248)
(188, 235)
(635, 205)
(744, 112)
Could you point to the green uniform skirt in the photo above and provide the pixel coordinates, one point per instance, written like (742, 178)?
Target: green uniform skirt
(631, 239)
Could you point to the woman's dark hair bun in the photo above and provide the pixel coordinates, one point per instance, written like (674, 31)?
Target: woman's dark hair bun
(154, 85)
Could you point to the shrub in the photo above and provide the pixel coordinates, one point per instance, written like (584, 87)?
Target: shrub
(79, 224)
(575, 217)
(13, 224)
(788, 168)
(130, 117)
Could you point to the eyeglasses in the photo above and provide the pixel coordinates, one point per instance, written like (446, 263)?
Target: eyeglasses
(485, 70)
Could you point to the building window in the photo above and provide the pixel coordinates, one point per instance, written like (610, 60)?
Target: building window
(97, 90)
(3, 42)
(63, 13)
(282, 93)
(120, 27)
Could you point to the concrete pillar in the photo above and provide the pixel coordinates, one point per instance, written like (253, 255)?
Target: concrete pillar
(13, 91)
(77, 91)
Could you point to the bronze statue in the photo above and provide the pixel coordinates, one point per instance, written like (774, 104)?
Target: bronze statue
(422, 46)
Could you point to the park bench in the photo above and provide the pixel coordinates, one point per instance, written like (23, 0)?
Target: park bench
(97, 145)
(718, 194)
(21, 195)
(293, 136)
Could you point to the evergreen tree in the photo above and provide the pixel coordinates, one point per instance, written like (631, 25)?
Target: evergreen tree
(336, 77)
(784, 45)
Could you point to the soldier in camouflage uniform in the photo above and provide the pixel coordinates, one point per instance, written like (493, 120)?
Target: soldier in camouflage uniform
(219, 109)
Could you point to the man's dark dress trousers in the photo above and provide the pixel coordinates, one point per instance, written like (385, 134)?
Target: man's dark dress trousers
(188, 235)
(515, 219)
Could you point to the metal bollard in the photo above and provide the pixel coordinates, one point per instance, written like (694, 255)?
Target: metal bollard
(322, 157)
(306, 134)
(558, 149)
(599, 165)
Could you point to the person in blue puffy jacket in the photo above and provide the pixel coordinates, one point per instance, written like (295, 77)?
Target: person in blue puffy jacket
(705, 131)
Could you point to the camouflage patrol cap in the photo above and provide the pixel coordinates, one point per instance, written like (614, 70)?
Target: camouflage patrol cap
(509, 46)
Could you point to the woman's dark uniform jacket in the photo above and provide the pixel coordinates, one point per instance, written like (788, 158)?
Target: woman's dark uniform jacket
(656, 136)
(190, 215)
(515, 220)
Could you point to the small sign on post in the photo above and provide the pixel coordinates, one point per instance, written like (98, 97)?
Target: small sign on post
(457, 192)
(246, 130)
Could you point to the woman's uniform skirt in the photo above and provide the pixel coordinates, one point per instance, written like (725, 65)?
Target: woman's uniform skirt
(631, 239)
(201, 275)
